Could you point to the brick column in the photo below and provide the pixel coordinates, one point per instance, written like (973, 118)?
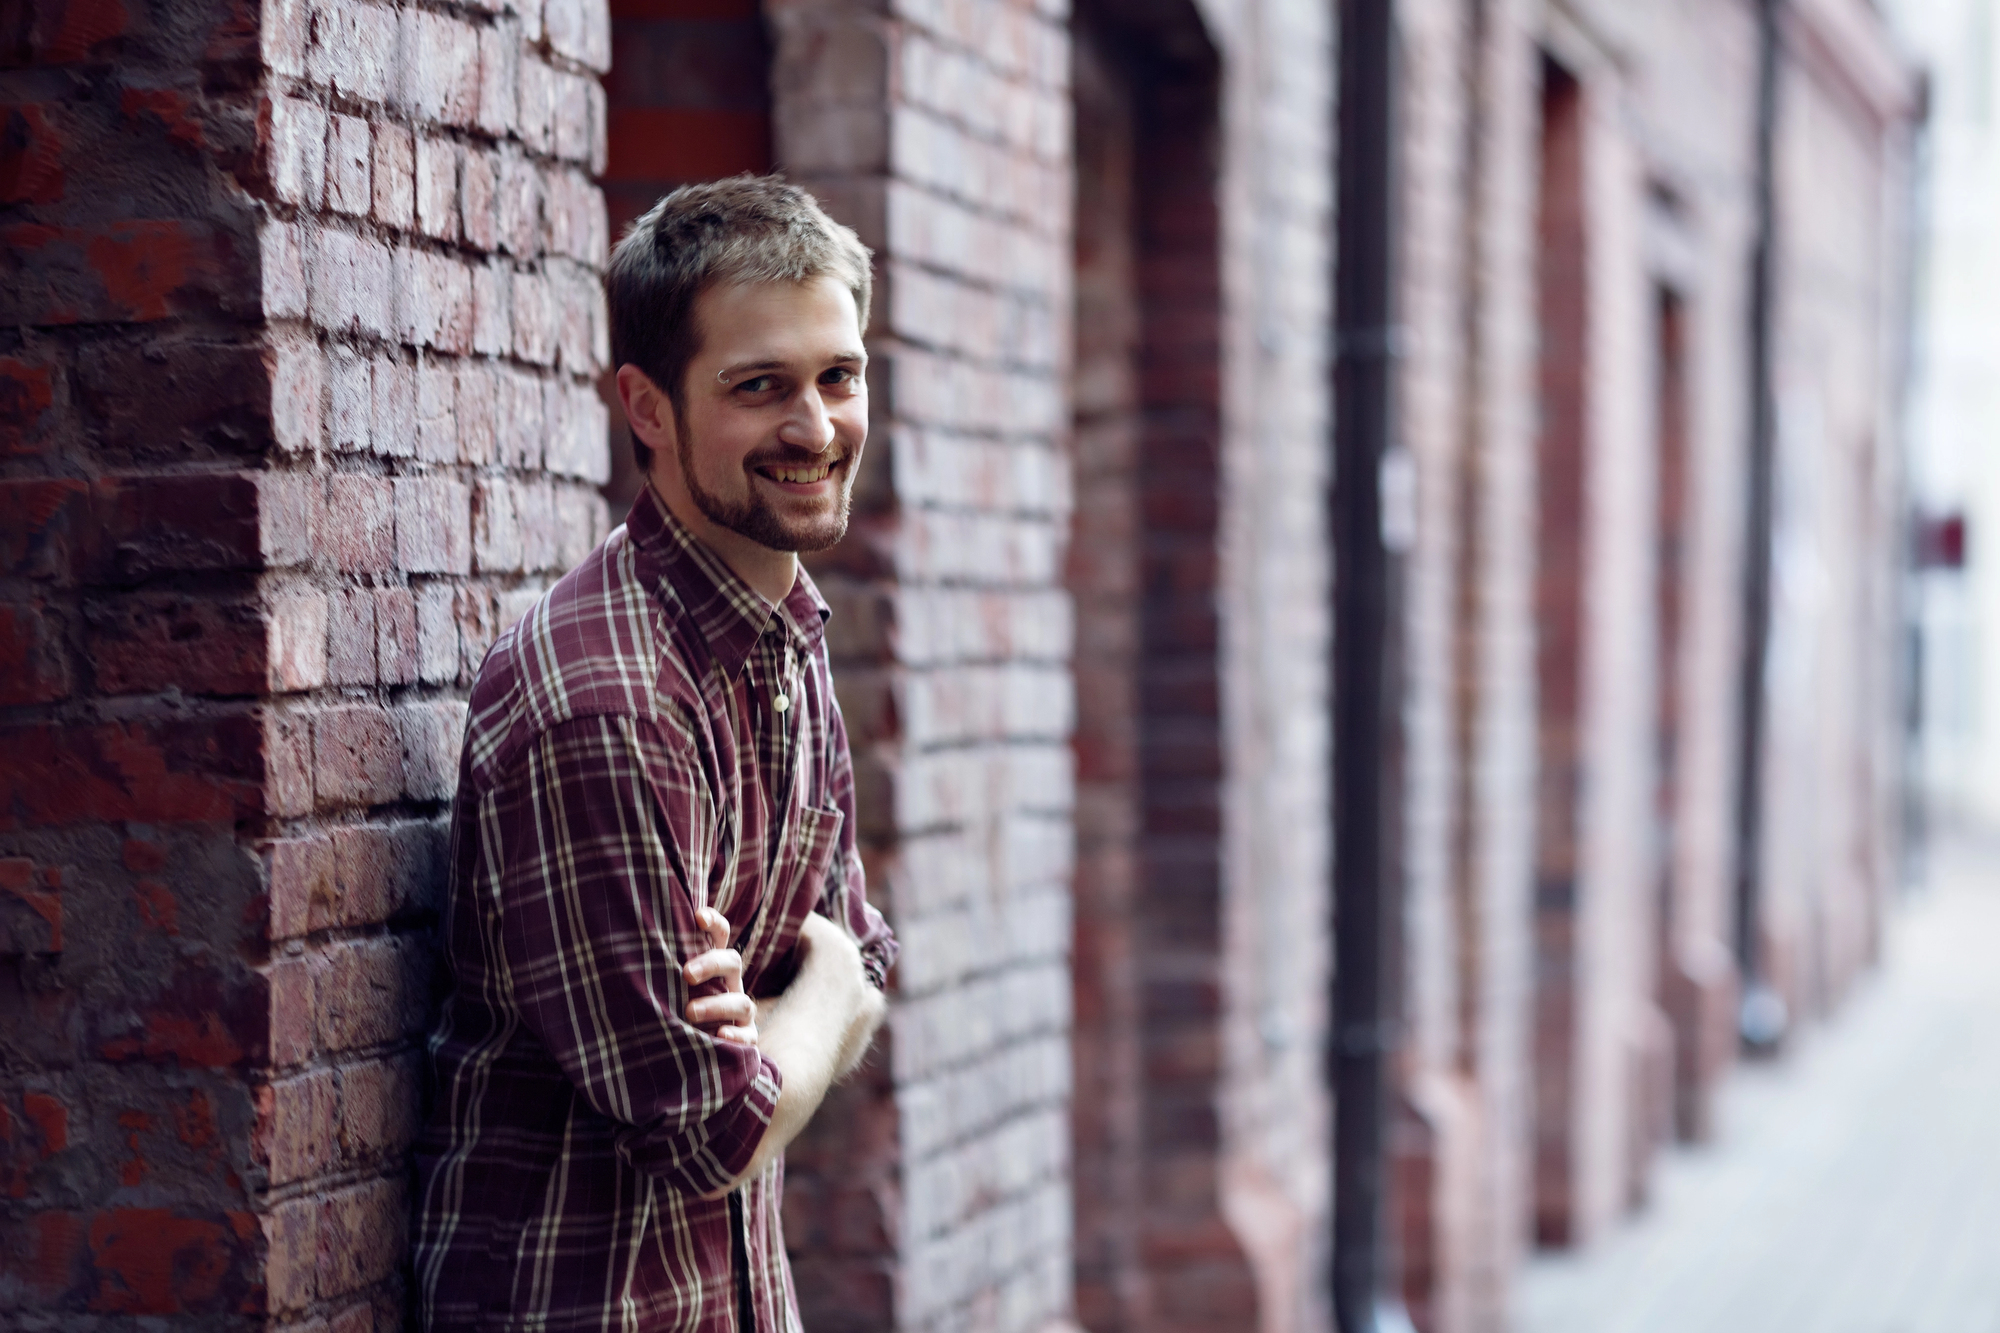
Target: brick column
(304, 308)
(934, 1193)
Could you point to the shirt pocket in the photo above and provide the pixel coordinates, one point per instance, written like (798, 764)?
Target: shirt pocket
(811, 843)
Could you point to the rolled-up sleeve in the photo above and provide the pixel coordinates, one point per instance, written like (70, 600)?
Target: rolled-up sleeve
(845, 899)
(597, 920)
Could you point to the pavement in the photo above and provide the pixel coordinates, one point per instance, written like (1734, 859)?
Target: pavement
(1854, 1186)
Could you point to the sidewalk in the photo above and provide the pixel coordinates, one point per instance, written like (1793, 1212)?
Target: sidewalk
(1855, 1185)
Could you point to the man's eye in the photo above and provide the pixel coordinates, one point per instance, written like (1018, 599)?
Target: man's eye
(758, 384)
(840, 375)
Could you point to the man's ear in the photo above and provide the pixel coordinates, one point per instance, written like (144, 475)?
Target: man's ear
(648, 411)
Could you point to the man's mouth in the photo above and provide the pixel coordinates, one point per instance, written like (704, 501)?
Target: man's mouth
(804, 475)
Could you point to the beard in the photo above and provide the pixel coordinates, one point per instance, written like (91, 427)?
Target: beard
(754, 518)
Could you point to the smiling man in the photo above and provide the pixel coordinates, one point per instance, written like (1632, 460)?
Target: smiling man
(661, 950)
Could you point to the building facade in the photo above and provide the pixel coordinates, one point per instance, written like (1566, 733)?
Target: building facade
(302, 372)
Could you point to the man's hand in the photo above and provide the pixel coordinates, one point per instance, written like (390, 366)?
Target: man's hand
(815, 1033)
(731, 1015)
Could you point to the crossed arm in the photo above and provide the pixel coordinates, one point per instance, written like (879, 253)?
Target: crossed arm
(815, 1032)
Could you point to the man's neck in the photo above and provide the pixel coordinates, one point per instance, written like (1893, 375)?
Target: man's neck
(769, 573)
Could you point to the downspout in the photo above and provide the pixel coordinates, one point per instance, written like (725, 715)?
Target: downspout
(1762, 1018)
(1367, 905)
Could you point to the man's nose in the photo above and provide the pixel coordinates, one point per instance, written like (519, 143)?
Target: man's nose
(808, 425)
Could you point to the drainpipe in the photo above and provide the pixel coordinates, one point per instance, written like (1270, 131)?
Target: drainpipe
(1762, 1017)
(1368, 507)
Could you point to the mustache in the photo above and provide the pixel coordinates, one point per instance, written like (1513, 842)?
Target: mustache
(796, 457)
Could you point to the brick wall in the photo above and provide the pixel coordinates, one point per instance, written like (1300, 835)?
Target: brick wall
(312, 307)
(941, 133)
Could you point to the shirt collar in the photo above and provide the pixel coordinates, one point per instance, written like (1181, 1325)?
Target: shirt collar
(729, 614)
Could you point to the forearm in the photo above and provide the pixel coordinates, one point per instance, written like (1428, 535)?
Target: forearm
(816, 1033)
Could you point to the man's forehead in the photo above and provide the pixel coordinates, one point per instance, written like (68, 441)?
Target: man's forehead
(816, 319)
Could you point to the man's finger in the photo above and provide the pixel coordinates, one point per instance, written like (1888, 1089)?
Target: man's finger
(724, 963)
(745, 1036)
(717, 926)
(734, 1007)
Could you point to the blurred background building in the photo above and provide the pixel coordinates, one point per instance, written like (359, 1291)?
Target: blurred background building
(301, 358)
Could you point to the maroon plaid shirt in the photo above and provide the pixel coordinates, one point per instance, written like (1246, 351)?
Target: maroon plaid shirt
(652, 737)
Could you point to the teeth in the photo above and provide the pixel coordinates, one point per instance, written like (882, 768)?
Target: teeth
(802, 475)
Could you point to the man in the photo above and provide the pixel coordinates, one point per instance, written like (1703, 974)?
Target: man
(661, 952)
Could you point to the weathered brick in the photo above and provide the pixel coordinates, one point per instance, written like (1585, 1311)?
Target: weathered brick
(433, 301)
(299, 876)
(293, 1138)
(295, 620)
(351, 283)
(395, 636)
(437, 633)
(282, 264)
(478, 199)
(362, 1232)
(493, 308)
(437, 410)
(351, 648)
(536, 318)
(361, 531)
(433, 526)
(395, 176)
(291, 1270)
(499, 77)
(393, 417)
(374, 990)
(440, 68)
(357, 758)
(34, 669)
(478, 404)
(379, 1100)
(520, 206)
(496, 526)
(353, 48)
(350, 395)
(348, 153)
(437, 187)
(294, 150)
(431, 731)
(298, 388)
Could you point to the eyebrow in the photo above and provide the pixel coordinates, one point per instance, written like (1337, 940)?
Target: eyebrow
(736, 372)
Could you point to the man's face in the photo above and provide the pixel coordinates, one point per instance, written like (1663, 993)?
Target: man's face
(775, 412)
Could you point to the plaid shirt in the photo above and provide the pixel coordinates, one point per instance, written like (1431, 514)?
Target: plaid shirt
(652, 737)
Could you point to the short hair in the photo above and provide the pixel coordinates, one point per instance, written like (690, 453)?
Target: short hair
(742, 229)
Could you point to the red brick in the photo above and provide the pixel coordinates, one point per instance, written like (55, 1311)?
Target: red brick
(350, 400)
(385, 869)
(362, 1232)
(153, 1261)
(395, 636)
(34, 668)
(395, 176)
(520, 207)
(362, 530)
(176, 401)
(357, 758)
(493, 309)
(201, 769)
(43, 525)
(299, 876)
(144, 643)
(27, 395)
(433, 526)
(537, 316)
(350, 638)
(292, 985)
(146, 526)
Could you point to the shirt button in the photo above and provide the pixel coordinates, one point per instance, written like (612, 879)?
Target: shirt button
(781, 703)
